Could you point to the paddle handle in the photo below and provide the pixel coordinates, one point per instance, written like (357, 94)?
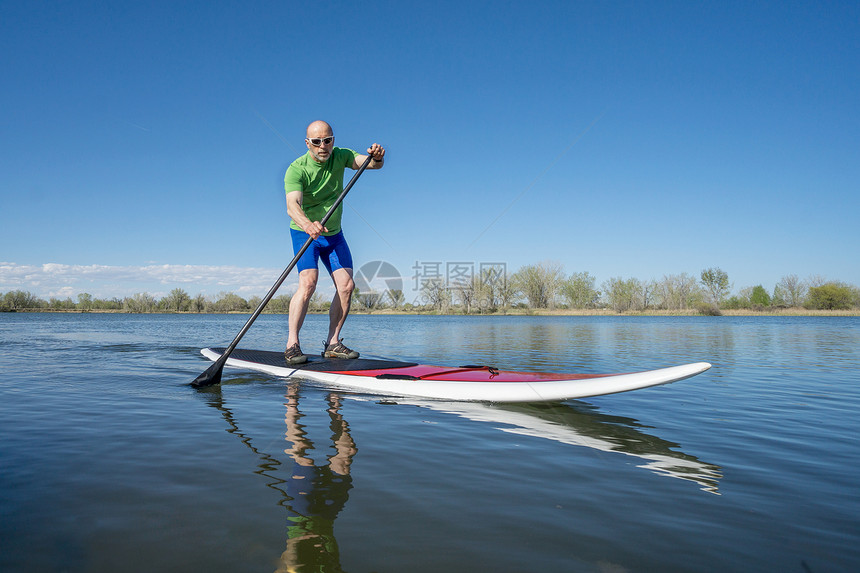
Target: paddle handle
(213, 373)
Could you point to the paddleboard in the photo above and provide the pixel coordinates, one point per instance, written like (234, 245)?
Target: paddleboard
(475, 383)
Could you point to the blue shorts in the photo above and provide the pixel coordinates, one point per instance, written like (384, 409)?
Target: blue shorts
(333, 251)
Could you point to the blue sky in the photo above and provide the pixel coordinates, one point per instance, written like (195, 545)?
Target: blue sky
(144, 144)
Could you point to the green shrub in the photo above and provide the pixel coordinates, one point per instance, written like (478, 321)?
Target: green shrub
(831, 296)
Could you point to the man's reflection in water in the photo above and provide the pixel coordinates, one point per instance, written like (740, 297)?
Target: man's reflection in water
(315, 493)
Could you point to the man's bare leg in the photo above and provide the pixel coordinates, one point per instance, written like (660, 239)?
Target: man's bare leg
(299, 303)
(340, 304)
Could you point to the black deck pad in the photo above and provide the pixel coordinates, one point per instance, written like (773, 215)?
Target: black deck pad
(316, 363)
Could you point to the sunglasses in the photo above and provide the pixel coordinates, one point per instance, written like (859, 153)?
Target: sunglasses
(317, 141)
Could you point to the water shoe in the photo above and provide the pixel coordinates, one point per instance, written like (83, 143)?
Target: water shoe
(338, 350)
(294, 355)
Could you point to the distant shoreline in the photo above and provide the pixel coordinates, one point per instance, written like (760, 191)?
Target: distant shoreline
(788, 312)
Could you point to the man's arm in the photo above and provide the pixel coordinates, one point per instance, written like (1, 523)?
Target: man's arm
(377, 152)
(297, 214)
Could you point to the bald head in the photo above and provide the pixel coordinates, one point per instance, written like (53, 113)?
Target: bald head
(319, 128)
(320, 141)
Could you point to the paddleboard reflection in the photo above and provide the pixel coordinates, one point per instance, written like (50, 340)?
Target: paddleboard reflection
(580, 424)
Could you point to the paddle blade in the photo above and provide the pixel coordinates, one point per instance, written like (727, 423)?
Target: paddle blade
(210, 377)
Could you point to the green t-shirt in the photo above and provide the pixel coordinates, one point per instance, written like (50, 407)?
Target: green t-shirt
(321, 184)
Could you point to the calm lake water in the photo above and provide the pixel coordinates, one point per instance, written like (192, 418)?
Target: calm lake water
(112, 462)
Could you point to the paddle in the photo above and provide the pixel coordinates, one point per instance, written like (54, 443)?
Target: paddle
(212, 375)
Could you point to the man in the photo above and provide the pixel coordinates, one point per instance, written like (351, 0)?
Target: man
(313, 183)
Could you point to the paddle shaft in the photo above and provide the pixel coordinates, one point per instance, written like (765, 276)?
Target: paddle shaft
(212, 375)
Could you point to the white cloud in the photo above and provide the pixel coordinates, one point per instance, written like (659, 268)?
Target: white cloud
(105, 281)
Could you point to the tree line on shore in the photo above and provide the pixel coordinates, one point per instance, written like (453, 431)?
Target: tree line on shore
(533, 287)
(546, 286)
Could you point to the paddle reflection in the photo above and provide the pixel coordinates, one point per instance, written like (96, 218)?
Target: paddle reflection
(314, 493)
(581, 424)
